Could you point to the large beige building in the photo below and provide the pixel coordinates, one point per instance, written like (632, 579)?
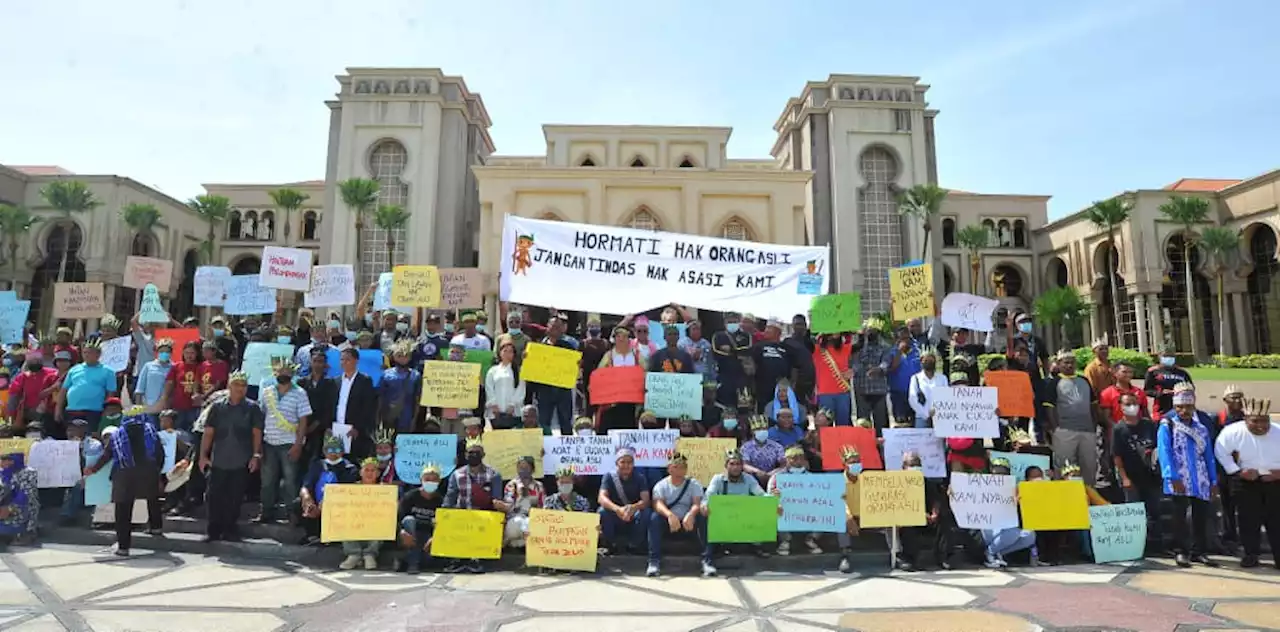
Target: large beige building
(845, 146)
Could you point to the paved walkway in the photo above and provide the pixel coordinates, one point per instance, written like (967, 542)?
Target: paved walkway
(59, 588)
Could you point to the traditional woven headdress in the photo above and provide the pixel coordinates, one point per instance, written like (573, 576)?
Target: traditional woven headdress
(1256, 407)
(238, 376)
(873, 322)
(583, 422)
(384, 436)
(111, 321)
(745, 398)
(1231, 391)
(793, 450)
(475, 443)
(165, 342)
(958, 376)
(732, 454)
(1064, 354)
(644, 414)
(929, 351)
(864, 423)
(92, 343)
(430, 468)
(961, 360)
(564, 471)
(848, 453)
(1184, 393)
(1019, 436)
(826, 412)
(1099, 342)
(470, 422)
(368, 461)
(278, 363)
(999, 461)
(678, 458)
(403, 347)
(333, 444)
(1070, 469)
(758, 422)
(623, 452)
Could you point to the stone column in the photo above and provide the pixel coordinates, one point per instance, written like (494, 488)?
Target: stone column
(1156, 313)
(1245, 341)
(1095, 324)
(1140, 319)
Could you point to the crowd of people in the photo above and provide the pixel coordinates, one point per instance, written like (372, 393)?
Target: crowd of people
(771, 387)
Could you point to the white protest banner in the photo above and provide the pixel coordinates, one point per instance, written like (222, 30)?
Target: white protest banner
(587, 456)
(211, 285)
(139, 271)
(984, 501)
(591, 268)
(382, 295)
(965, 411)
(968, 311)
(57, 463)
(115, 353)
(332, 286)
(245, 296)
(922, 441)
(653, 447)
(285, 268)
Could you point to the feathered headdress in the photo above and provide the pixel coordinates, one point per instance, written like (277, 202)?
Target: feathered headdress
(793, 450)
(92, 343)
(384, 436)
(238, 376)
(1099, 342)
(999, 461)
(333, 444)
(848, 453)
(678, 458)
(732, 454)
(1070, 469)
(430, 468)
(1256, 407)
(758, 422)
(1064, 354)
(564, 471)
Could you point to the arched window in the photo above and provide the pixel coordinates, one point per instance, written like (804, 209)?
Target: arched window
(550, 216)
(1004, 234)
(387, 162)
(1006, 281)
(249, 230)
(587, 162)
(643, 219)
(948, 280)
(310, 222)
(1057, 273)
(991, 231)
(142, 245)
(268, 226)
(638, 162)
(687, 163)
(880, 224)
(737, 230)
(233, 225)
(948, 233)
(1019, 234)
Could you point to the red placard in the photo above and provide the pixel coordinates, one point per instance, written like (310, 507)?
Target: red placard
(180, 337)
(836, 437)
(617, 385)
(1013, 392)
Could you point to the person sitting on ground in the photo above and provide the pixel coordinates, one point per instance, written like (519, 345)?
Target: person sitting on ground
(733, 481)
(676, 510)
(1001, 542)
(521, 494)
(331, 468)
(366, 549)
(761, 455)
(417, 514)
(787, 433)
(624, 504)
(796, 464)
(472, 486)
(565, 499)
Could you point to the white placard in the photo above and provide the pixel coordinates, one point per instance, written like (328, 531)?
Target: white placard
(115, 353)
(285, 268)
(587, 456)
(245, 296)
(382, 295)
(106, 514)
(968, 311)
(211, 285)
(653, 447)
(984, 501)
(332, 286)
(57, 463)
(592, 268)
(340, 430)
(922, 441)
(965, 411)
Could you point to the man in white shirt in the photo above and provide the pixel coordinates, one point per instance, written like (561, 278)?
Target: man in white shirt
(357, 405)
(469, 338)
(920, 390)
(1250, 454)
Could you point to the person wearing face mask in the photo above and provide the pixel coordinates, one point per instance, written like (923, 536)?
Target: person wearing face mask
(594, 347)
(433, 342)
(762, 456)
(212, 373)
(366, 550)
(330, 468)
(473, 486)
(400, 389)
(286, 411)
(390, 332)
(182, 385)
(1161, 378)
(871, 364)
(915, 539)
(830, 360)
(469, 337)
(521, 494)
(220, 335)
(1189, 472)
(565, 498)
(515, 331)
(920, 390)
(729, 426)
(1249, 454)
(482, 321)
(1001, 542)
(796, 464)
(1021, 329)
(852, 503)
(1073, 418)
(1109, 399)
(417, 515)
(1134, 443)
(150, 388)
(384, 453)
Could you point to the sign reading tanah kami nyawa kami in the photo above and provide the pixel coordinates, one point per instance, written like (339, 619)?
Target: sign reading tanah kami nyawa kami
(584, 267)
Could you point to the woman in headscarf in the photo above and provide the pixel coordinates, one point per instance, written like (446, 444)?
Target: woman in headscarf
(19, 499)
(521, 494)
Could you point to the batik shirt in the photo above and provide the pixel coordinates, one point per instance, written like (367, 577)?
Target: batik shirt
(762, 456)
(556, 502)
(1186, 455)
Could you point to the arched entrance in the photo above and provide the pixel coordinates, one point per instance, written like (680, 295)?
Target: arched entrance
(246, 265)
(64, 237)
(1111, 292)
(183, 303)
(1264, 290)
(1173, 298)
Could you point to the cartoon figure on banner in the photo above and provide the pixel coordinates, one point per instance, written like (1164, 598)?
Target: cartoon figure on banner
(521, 260)
(811, 281)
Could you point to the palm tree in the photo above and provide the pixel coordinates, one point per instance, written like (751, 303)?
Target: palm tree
(924, 202)
(1219, 242)
(16, 222)
(1107, 215)
(140, 217)
(68, 198)
(361, 196)
(289, 200)
(973, 238)
(391, 217)
(1063, 306)
(214, 210)
(1188, 211)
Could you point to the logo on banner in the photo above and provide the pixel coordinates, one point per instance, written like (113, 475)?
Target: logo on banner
(810, 279)
(521, 260)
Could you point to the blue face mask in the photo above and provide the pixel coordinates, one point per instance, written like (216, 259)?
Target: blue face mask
(730, 423)
(284, 340)
(164, 356)
(219, 332)
(335, 324)
(762, 435)
(430, 486)
(351, 336)
(732, 328)
(480, 328)
(797, 470)
(1168, 360)
(1024, 327)
(855, 468)
(448, 329)
(383, 457)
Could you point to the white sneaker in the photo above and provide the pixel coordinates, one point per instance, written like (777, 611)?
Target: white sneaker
(812, 543)
(370, 563)
(351, 562)
(652, 570)
(784, 547)
(708, 570)
(993, 561)
(116, 550)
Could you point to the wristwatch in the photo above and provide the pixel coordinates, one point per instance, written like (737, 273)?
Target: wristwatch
(257, 456)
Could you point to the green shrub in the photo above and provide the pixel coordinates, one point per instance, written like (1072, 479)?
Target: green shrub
(1251, 361)
(1084, 355)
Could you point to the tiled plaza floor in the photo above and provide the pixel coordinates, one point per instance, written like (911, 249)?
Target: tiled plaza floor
(79, 588)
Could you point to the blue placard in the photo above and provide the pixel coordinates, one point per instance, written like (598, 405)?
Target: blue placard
(413, 451)
(673, 394)
(1119, 532)
(257, 360)
(97, 488)
(245, 296)
(1018, 463)
(152, 311)
(811, 502)
(656, 337)
(13, 318)
(371, 363)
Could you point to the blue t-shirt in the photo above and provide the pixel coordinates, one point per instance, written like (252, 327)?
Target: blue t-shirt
(88, 386)
(631, 487)
(900, 379)
(786, 438)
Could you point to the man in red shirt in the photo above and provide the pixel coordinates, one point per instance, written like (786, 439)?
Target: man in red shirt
(182, 385)
(1109, 399)
(62, 342)
(26, 392)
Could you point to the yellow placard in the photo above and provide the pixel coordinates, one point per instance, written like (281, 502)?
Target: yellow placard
(562, 539)
(450, 384)
(503, 447)
(706, 456)
(17, 444)
(891, 499)
(468, 534)
(1053, 505)
(852, 497)
(553, 366)
(911, 291)
(354, 512)
(415, 286)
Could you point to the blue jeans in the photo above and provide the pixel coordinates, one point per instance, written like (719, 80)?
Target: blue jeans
(1008, 540)
(277, 469)
(611, 527)
(557, 401)
(73, 502)
(415, 555)
(841, 408)
(658, 529)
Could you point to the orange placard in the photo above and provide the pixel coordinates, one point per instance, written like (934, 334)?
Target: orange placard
(1013, 392)
(179, 337)
(864, 439)
(617, 385)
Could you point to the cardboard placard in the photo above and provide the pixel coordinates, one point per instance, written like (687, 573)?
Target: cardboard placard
(450, 384)
(468, 534)
(257, 360)
(566, 540)
(617, 385)
(1118, 532)
(835, 437)
(78, 300)
(356, 512)
(1053, 505)
(553, 366)
(141, 271)
(331, 286)
(115, 353)
(922, 441)
(13, 318)
(245, 296)
(653, 448)
(285, 268)
(911, 291)
(740, 518)
(673, 394)
(152, 310)
(1014, 395)
(57, 463)
(502, 448)
(461, 288)
(706, 456)
(415, 286)
(984, 501)
(811, 502)
(891, 499)
(967, 311)
(180, 337)
(836, 313)
(1019, 462)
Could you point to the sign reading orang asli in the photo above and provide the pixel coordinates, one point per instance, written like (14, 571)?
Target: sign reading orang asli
(584, 267)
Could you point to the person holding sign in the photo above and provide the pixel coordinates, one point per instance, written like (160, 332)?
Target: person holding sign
(565, 499)
(1189, 472)
(797, 463)
(1010, 539)
(521, 494)
(331, 468)
(472, 487)
(762, 456)
(1250, 454)
(400, 389)
(624, 501)
(731, 481)
(852, 469)
(363, 550)
(677, 502)
(831, 371)
(619, 416)
(417, 514)
(138, 455)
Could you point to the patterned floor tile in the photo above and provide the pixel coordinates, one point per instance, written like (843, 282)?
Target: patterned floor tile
(1198, 586)
(1264, 614)
(883, 592)
(1107, 607)
(936, 621)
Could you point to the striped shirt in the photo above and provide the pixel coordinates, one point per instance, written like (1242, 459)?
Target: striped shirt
(293, 405)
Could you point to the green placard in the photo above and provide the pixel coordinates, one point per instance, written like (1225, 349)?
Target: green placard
(835, 313)
(740, 518)
(481, 357)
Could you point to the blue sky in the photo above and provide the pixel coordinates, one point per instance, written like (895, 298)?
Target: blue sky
(1077, 100)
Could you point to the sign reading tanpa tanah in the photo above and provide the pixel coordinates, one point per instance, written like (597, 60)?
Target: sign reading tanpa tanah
(584, 267)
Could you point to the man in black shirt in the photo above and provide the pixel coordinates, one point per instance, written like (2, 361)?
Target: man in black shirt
(230, 450)
(1134, 445)
(553, 400)
(1161, 379)
(728, 347)
(671, 358)
(800, 342)
(417, 516)
(774, 361)
(322, 393)
(225, 341)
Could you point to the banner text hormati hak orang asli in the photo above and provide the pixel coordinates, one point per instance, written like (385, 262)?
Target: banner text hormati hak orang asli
(585, 267)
